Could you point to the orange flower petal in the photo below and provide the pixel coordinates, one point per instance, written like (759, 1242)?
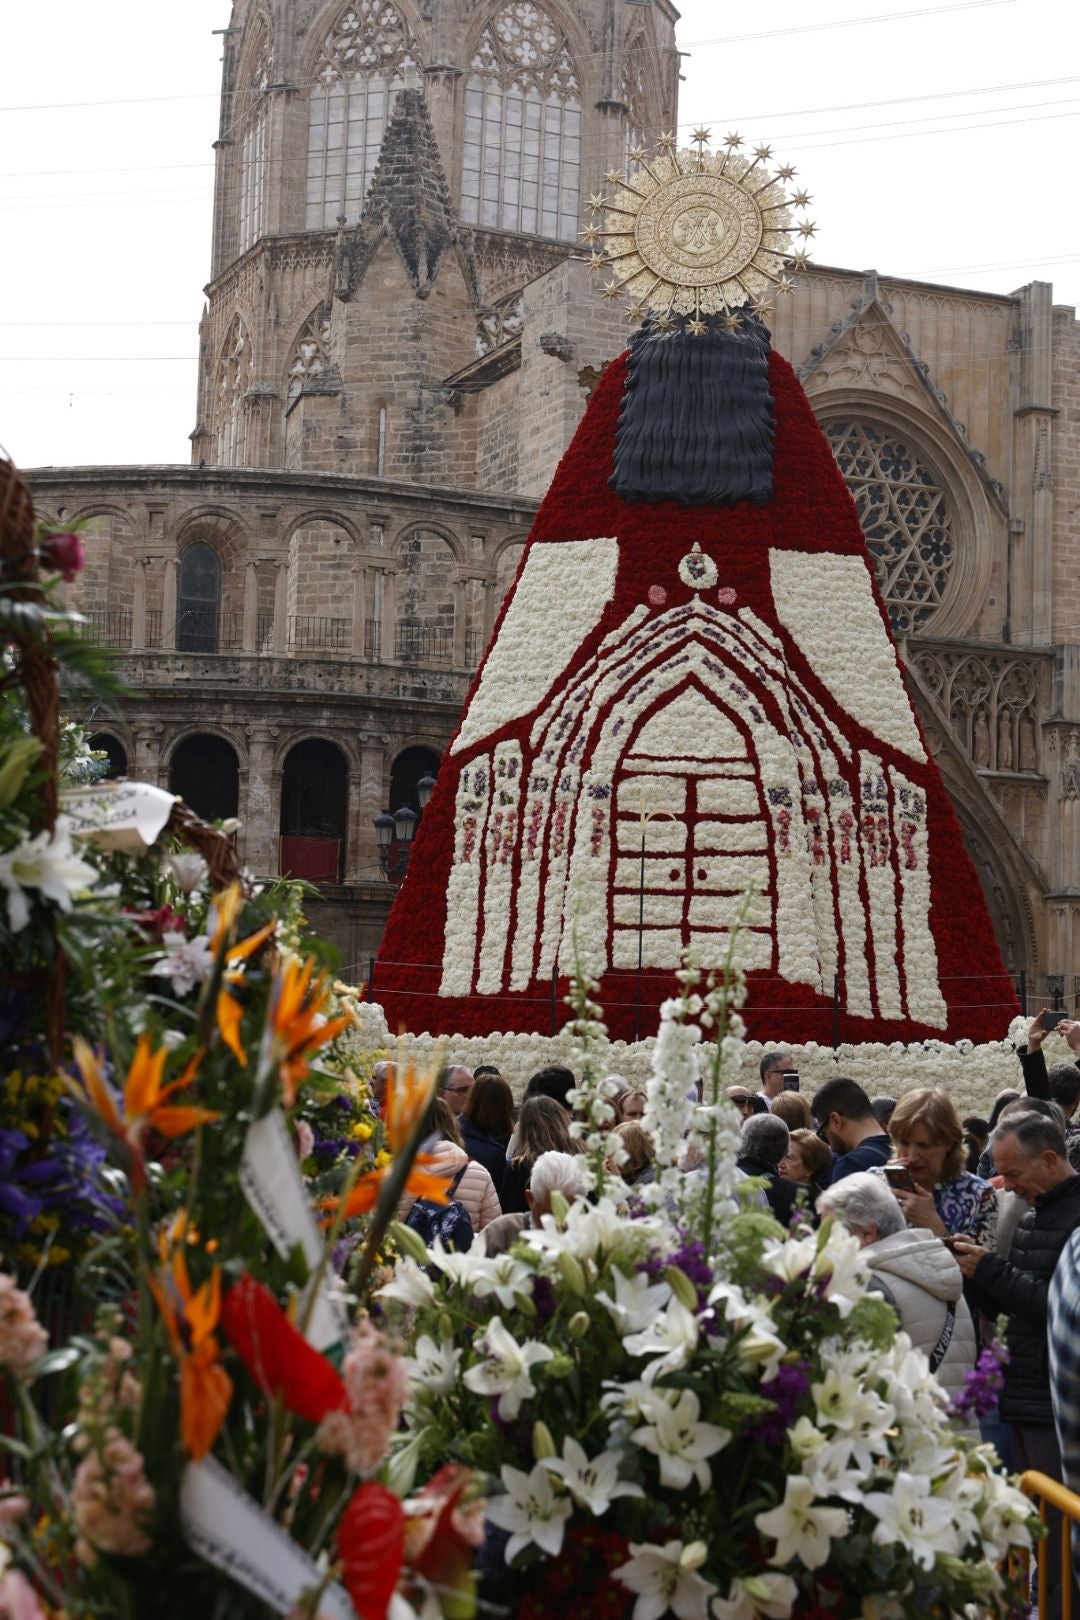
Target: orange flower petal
(247, 947)
(144, 1077)
(173, 1122)
(96, 1088)
(229, 1014)
(205, 1392)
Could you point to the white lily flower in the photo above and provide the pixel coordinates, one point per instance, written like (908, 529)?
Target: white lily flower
(186, 962)
(530, 1510)
(806, 1438)
(667, 1578)
(769, 1594)
(460, 1267)
(410, 1284)
(188, 869)
(788, 1258)
(910, 1515)
(506, 1370)
(800, 1529)
(435, 1366)
(680, 1443)
(672, 1338)
(502, 1277)
(47, 862)
(594, 1482)
(590, 1229)
(841, 1261)
(637, 1302)
(829, 1472)
(760, 1346)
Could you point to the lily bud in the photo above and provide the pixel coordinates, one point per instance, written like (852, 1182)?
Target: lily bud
(560, 1366)
(578, 1325)
(543, 1444)
(559, 1207)
(446, 1326)
(693, 1555)
(682, 1287)
(524, 1304)
(408, 1241)
(572, 1274)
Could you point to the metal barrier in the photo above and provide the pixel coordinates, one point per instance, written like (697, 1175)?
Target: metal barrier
(1050, 1493)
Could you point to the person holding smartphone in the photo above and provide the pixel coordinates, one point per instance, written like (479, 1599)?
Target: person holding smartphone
(1060, 1082)
(927, 1174)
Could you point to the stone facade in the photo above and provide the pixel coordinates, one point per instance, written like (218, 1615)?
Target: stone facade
(396, 348)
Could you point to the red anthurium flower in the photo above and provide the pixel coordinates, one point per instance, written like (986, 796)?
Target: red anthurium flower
(277, 1356)
(371, 1545)
(63, 554)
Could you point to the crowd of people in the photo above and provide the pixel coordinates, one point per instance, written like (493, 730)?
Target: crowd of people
(965, 1223)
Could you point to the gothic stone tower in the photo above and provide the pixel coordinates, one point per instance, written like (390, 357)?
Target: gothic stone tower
(391, 175)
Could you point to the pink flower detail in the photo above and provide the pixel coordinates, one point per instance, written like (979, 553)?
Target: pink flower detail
(22, 1338)
(112, 1500)
(726, 595)
(657, 595)
(377, 1383)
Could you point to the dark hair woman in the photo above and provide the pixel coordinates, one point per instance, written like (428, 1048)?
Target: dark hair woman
(486, 1122)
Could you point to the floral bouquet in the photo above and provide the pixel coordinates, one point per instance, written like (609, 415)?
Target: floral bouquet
(682, 1410)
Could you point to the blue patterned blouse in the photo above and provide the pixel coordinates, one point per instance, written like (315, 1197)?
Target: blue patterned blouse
(967, 1204)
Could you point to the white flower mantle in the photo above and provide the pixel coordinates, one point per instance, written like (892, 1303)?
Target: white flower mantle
(972, 1075)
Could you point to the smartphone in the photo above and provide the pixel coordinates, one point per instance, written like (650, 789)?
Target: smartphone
(899, 1178)
(1051, 1020)
(791, 1080)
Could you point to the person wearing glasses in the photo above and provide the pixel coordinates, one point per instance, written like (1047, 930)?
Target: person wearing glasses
(773, 1067)
(742, 1100)
(456, 1087)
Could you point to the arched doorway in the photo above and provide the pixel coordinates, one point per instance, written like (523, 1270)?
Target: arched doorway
(314, 811)
(204, 771)
(102, 743)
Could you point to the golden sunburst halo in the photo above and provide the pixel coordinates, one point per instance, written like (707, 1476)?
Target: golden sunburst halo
(700, 232)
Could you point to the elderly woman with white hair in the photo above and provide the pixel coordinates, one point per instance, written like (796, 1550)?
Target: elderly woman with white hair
(914, 1271)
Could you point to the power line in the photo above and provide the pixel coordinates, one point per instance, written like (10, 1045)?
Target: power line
(845, 22)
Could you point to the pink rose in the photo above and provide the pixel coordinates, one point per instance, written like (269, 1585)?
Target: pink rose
(63, 554)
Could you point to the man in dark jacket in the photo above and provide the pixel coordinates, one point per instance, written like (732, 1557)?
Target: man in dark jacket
(1029, 1153)
(845, 1120)
(764, 1142)
(1059, 1083)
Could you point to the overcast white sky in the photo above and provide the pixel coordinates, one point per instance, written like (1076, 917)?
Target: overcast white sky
(938, 141)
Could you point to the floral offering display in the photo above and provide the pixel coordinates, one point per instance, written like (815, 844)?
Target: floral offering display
(691, 692)
(683, 1410)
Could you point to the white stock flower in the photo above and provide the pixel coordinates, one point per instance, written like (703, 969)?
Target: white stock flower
(410, 1284)
(435, 1366)
(667, 1578)
(677, 1439)
(503, 1277)
(910, 1515)
(800, 1529)
(637, 1302)
(593, 1482)
(671, 1093)
(185, 963)
(672, 1338)
(47, 862)
(506, 1370)
(530, 1510)
(769, 1594)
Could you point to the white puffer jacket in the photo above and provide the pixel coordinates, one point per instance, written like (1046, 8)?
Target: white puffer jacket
(917, 1274)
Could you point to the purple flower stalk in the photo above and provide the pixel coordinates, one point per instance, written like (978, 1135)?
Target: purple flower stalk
(785, 1390)
(982, 1384)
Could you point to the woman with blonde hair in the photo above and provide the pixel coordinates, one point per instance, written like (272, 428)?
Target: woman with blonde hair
(807, 1161)
(637, 1165)
(543, 1127)
(793, 1108)
(927, 1173)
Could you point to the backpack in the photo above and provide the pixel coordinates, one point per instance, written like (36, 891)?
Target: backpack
(450, 1222)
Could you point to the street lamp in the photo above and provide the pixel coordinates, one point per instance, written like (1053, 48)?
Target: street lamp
(398, 828)
(644, 817)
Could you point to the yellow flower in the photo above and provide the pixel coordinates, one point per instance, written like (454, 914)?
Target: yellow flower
(361, 1131)
(382, 1159)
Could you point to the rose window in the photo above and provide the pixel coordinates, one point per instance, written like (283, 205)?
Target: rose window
(905, 517)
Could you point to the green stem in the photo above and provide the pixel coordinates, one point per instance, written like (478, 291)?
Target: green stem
(319, 1275)
(326, 1524)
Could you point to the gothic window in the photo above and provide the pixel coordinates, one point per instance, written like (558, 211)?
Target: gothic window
(252, 136)
(905, 517)
(197, 600)
(311, 356)
(234, 375)
(362, 67)
(521, 169)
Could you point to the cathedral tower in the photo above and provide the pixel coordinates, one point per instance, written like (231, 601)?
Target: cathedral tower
(391, 174)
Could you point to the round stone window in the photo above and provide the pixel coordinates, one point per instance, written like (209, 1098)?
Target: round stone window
(905, 517)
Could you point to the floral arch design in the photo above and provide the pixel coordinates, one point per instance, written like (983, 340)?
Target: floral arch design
(906, 516)
(361, 67)
(521, 165)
